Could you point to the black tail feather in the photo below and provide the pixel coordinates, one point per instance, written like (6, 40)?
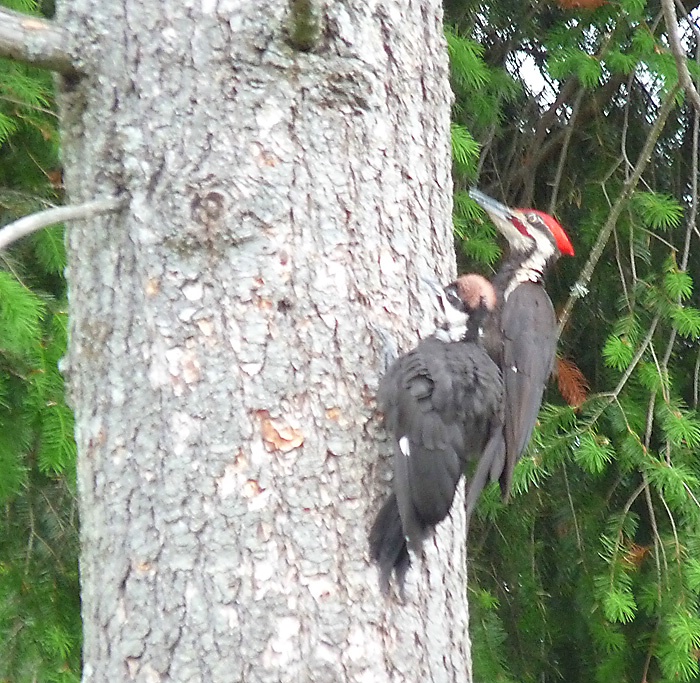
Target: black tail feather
(387, 546)
(488, 469)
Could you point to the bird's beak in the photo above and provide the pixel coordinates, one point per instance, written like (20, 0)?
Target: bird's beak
(505, 220)
(489, 204)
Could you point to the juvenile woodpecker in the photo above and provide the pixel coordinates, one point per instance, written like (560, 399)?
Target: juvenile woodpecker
(522, 334)
(442, 406)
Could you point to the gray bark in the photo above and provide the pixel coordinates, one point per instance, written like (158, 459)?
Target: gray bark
(35, 41)
(288, 179)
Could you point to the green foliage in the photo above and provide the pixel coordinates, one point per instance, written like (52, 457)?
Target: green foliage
(465, 150)
(466, 61)
(24, 6)
(592, 570)
(530, 473)
(617, 352)
(678, 284)
(634, 8)
(483, 91)
(14, 471)
(678, 657)
(7, 127)
(679, 425)
(575, 62)
(50, 250)
(21, 313)
(476, 239)
(658, 211)
(618, 602)
(40, 629)
(687, 321)
(593, 453)
(489, 660)
(619, 62)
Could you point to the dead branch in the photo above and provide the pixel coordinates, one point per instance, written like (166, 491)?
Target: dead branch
(674, 40)
(42, 219)
(35, 41)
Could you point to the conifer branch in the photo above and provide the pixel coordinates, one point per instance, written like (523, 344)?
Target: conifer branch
(626, 192)
(35, 41)
(674, 40)
(42, 219)
(614, 395)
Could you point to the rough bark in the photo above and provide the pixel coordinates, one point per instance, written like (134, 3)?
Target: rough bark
(288, 179)
(35, 41)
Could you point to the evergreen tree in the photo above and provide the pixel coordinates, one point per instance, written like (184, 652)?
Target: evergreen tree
(592, 571)
(40, 630)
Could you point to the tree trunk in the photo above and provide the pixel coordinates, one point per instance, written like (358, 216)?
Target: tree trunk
(288, 178)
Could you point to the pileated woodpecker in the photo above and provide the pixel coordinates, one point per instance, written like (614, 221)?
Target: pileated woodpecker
(522, 336)
(442, 405)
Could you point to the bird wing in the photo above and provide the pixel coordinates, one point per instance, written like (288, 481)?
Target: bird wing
(443, 405)
(528, 324)
(415, 396)
(485, 404)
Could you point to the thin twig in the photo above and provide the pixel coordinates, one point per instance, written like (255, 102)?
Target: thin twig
(565, 150)
(633, 256)
(579, 542)
(485, 149)
(36, 221)
(26, 105)
(651, 650)
(658, 543)
(30, 542)
(650, 420)
(689, 491)
(625, 125)
(630, 502)
(673, 526)
(674, 41)
(664, 362)
(35, 41)
(659, 369)
(623, 280)
(627, 190)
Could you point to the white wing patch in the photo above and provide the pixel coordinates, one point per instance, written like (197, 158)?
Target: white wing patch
(403, 445)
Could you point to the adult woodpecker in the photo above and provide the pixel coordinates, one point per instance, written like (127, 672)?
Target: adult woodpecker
(522, 335)
(442, 405)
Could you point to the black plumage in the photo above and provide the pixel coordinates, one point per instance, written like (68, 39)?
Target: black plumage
(521, 336)
(528, 326)
(442, 405)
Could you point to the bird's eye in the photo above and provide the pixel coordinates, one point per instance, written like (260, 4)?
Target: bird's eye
(533, 217)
